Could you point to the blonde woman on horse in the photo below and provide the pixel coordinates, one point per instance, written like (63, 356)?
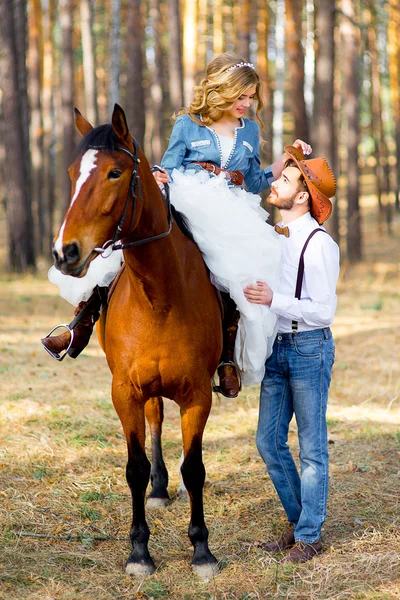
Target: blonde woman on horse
(213, 167)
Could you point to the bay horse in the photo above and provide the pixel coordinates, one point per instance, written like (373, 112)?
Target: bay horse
(161, 333)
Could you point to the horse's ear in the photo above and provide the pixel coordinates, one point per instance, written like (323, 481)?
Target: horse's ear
(119, 124)
(82, 125)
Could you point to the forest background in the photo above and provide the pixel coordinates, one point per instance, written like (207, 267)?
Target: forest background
(331, 74)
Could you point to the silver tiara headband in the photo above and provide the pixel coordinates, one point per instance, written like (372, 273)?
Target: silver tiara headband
(239, 65)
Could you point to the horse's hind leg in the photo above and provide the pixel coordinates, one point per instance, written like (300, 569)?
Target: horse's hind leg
(194, 418)
(131, 414)
(158, 497)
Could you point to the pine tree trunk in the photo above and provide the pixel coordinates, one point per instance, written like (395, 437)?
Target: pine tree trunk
(49, 135)
(243, 29)
(202, 28)
(279, 92)
(89, 62)
(113, 92)
(35, 62)
(156, 91)
(324, 129)
(351, 87)
(295, 66)
(21, 254)
(376, 108)
(175, 56)
(394, 74)
(135, 101)
(218, 37)
(263, 71)
(189, 48)
(67, 92)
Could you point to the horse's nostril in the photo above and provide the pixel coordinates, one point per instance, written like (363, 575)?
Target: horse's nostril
(71, 253)
(55, 255)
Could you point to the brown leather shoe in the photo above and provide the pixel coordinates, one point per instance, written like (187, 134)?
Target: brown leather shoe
(302, 552)
(229, 383)
(283, 543)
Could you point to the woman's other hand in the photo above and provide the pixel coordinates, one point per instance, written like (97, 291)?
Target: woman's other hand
(303, 146)
(259, 294)
(161, 177)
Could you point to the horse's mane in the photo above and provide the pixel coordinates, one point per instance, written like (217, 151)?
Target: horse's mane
(182, 223)
(104, 137)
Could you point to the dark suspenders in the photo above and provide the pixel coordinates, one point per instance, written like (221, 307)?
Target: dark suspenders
(300, 274)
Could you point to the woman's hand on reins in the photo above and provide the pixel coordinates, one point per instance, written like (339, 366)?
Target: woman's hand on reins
(161, 177)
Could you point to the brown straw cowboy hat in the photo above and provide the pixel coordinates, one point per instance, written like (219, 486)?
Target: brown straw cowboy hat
(320, 181)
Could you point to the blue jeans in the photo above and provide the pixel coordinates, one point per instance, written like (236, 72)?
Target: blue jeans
(296, 381)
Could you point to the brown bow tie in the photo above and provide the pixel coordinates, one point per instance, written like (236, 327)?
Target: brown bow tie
(282, 230)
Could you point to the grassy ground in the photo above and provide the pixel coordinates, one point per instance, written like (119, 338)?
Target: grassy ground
(62, 456)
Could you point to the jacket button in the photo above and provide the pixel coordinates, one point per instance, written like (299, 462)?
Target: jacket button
(280, 338)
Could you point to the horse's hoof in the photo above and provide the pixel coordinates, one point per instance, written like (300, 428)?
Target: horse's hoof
(139, 569)
(157, 502)
(206, 571)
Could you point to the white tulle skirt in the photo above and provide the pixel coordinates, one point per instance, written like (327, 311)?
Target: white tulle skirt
(101, 272)
(239, 248)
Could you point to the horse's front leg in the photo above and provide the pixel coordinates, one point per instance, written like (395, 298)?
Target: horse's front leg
(131, 413)
(158, 497)
(194, 418)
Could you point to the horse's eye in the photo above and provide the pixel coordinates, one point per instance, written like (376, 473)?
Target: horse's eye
(114, 174)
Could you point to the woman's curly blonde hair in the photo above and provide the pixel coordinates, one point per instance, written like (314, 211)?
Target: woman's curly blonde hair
(220, 88)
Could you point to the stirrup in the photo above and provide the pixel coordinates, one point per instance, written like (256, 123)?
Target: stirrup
(62, 355)
(228, 363)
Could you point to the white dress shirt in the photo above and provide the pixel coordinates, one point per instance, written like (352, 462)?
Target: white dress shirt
(317, 305)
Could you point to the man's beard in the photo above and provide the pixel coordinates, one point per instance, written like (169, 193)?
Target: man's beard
(282, 204)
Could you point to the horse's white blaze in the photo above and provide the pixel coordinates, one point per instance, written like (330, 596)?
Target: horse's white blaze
(87, 165)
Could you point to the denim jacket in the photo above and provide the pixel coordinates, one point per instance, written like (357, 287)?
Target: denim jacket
(190, 142)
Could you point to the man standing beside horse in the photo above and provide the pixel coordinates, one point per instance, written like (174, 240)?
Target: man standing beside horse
(298, 373)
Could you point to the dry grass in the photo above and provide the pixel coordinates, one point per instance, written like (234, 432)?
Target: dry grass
(63, 456)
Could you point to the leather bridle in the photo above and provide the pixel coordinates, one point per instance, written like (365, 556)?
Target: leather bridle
(134, 194)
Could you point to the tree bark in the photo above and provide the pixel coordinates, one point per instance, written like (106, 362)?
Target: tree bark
(35, 62)
(324, 132)
(189, 48)
(243, 29)
(89, 62)
(156, 90)
(351, 86)
(263, 71)
(175, 56)
(295, 64)
(115, 46)
(50, 83)
(135, 102)
(394, 75)
(67, 92)
(378, 132)
(21, 254)
(218, 33)
(202, 28)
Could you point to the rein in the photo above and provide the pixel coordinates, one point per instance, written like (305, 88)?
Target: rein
(135, 192)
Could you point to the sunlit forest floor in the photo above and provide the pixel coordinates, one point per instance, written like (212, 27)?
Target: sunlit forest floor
(62, 456)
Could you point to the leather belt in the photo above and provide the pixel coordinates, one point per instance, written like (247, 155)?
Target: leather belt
(236, 177)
